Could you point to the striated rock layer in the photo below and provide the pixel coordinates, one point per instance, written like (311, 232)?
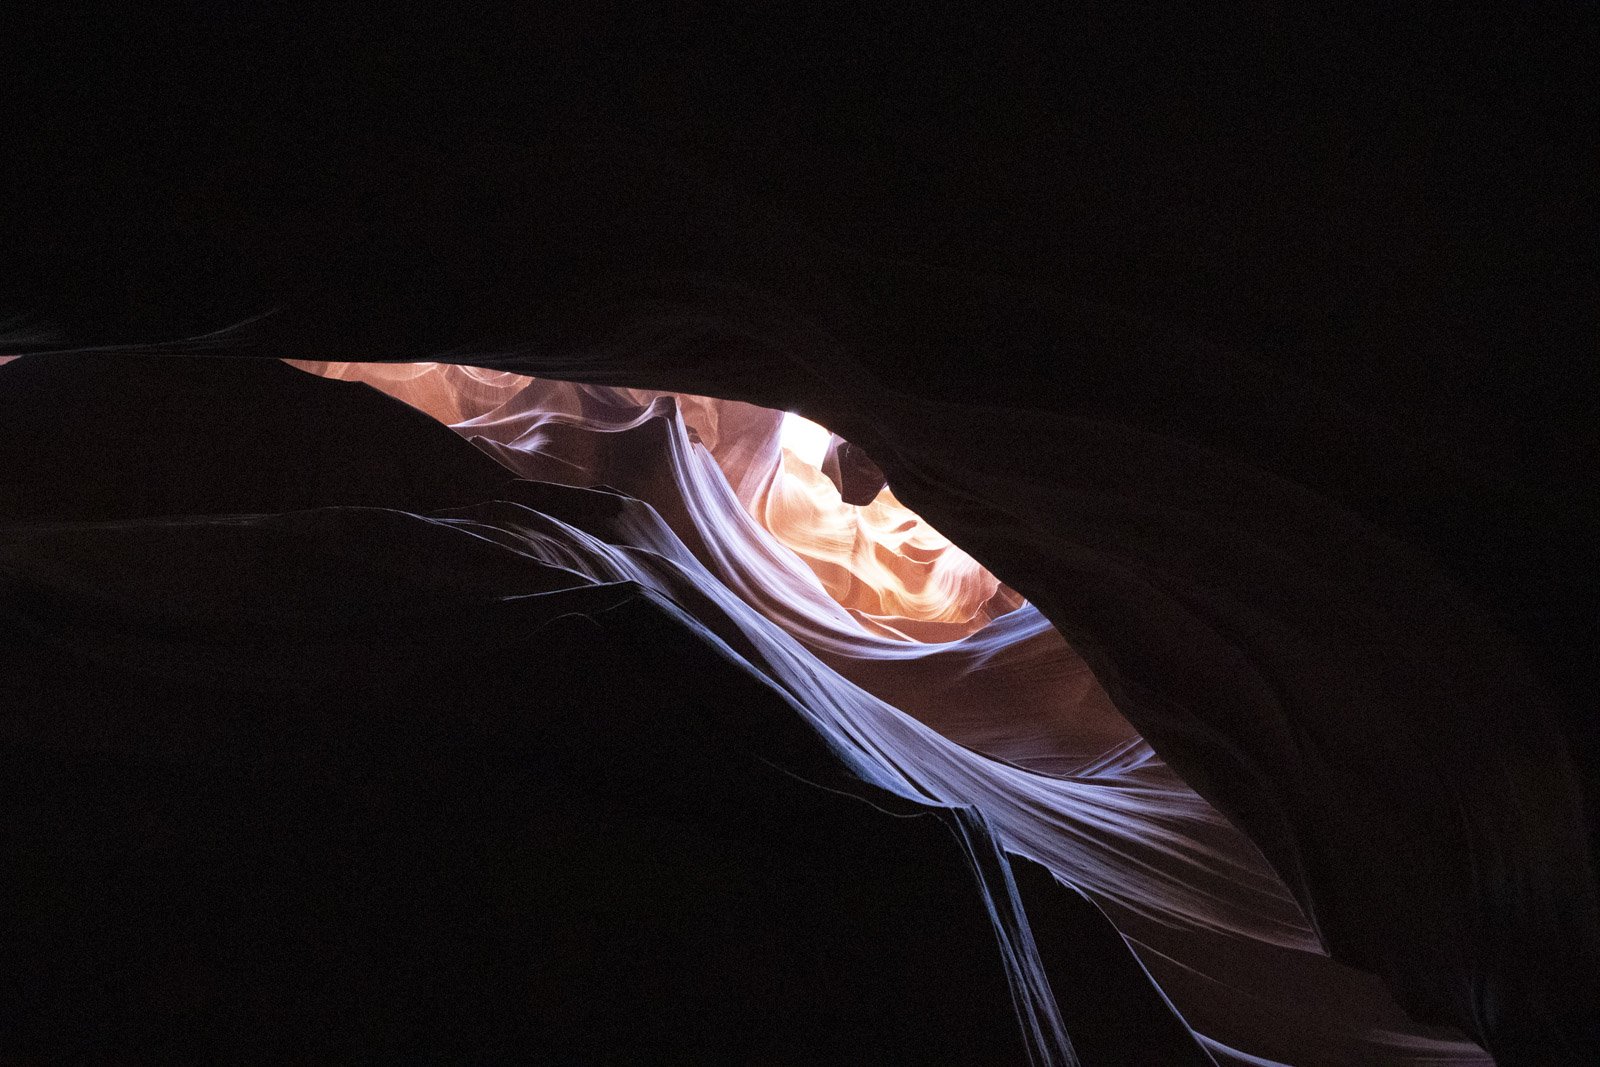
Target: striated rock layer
(211, 567)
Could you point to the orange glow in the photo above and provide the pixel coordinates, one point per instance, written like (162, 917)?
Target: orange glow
(897, 575)
(881, 560)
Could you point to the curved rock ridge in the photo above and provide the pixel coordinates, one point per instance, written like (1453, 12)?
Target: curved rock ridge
(242, 586)
(1212, 923)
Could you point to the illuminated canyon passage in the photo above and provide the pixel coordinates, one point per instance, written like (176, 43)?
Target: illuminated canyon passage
(938, 683)
(587, 715)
